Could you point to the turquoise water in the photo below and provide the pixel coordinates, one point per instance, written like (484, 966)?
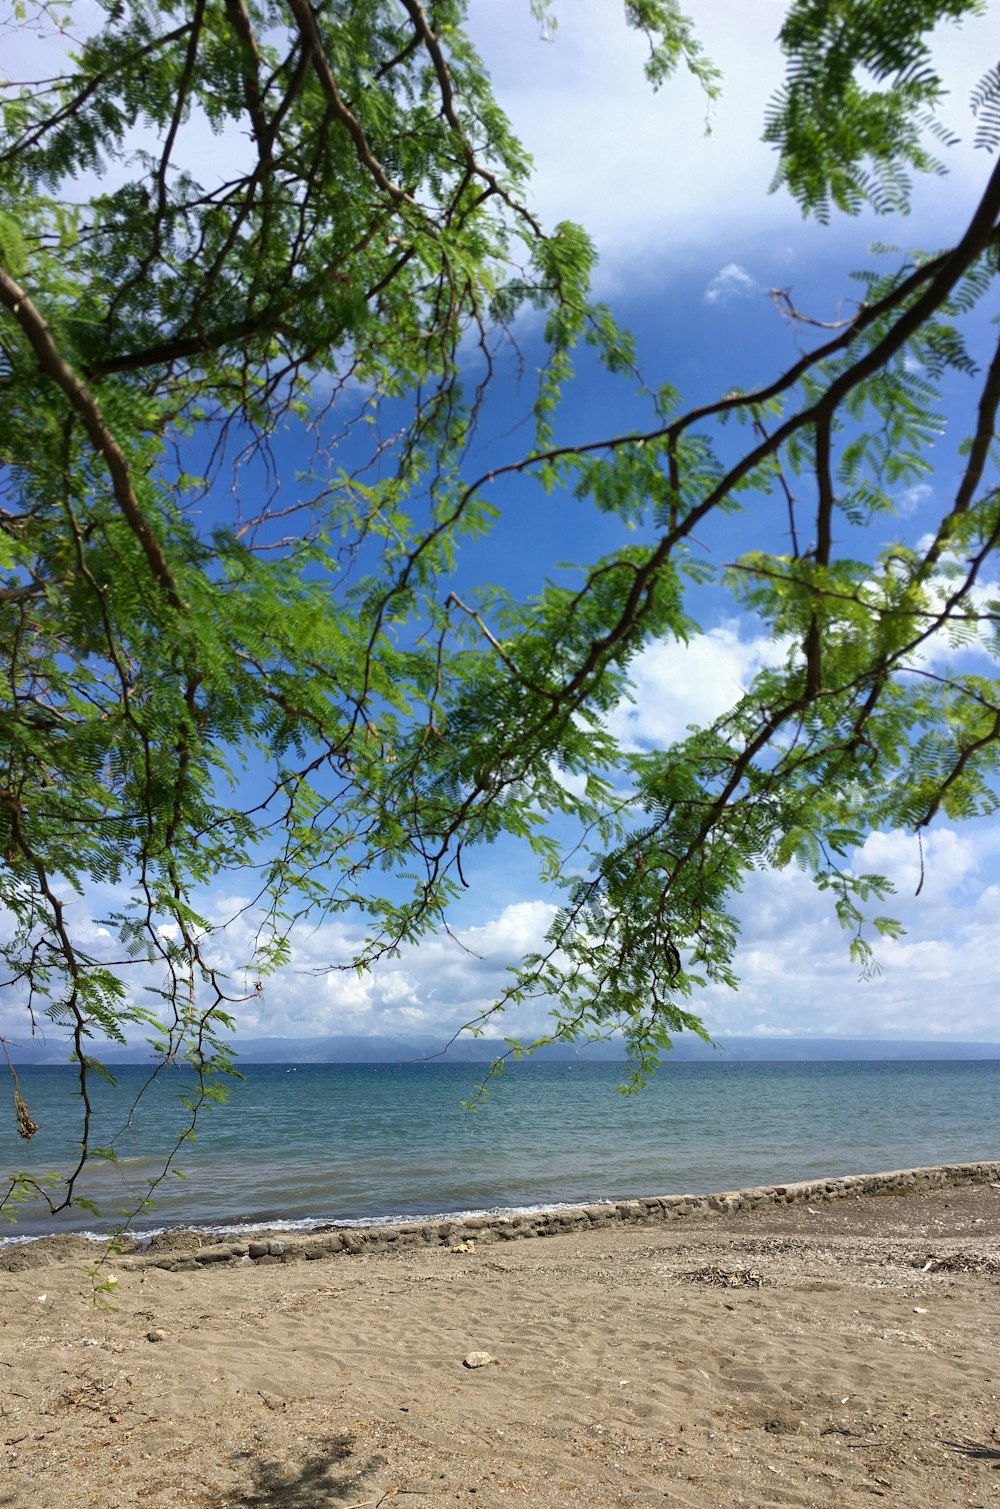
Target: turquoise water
(361, 1142)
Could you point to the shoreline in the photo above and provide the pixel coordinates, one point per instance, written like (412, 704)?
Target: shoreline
(190, 1248)
(819, 1354)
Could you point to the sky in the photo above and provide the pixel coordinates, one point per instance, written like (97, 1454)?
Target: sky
(690, 242)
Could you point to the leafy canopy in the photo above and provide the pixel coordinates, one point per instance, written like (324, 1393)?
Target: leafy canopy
(215, 668)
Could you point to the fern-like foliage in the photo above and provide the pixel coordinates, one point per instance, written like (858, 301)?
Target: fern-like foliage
(986, 109)
(860, 97)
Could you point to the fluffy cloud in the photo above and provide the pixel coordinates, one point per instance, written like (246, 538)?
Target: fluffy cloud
(430, 990)
(948, 861)
(731, 282)
(911, 499)
(940, 980)
(637, 167)
(677, 684)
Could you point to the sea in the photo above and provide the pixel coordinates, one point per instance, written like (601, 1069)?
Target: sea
(297, 1146)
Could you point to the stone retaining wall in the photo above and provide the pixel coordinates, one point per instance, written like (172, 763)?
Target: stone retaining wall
(192, 1250)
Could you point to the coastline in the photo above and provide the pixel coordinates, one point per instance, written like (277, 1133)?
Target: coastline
(819, 1353)
(193, 1247)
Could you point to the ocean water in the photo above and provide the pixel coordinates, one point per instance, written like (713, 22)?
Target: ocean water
(374, 1142)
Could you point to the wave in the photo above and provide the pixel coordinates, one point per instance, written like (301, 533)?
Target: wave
(305, 1223)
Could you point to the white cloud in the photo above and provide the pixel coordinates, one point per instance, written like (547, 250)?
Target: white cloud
(640, 170)
(732, 282)
(677, 684)
(913, 498)
(941, 980)
(430, 990)
(945, 645)
(949, 860)
(637, 167)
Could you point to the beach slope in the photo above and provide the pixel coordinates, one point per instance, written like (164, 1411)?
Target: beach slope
(839, 1355)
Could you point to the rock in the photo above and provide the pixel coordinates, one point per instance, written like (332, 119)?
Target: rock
(276, 1249)
(156, 1335)
(479, 1360)
(258, 1249)
(323, 1248)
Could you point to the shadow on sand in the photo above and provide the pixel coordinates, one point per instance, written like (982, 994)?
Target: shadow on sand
(331, 1474)
(978, 1451)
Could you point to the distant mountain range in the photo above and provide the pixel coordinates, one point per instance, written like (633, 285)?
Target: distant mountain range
(342, 1049)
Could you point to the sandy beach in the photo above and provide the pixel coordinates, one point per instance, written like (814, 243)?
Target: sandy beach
(840, 1356)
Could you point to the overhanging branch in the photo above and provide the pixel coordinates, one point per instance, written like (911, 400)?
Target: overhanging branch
(83, 401)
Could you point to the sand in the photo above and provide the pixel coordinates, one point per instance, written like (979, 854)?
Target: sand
(780, 1357)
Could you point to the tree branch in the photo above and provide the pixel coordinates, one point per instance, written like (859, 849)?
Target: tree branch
(82, 400)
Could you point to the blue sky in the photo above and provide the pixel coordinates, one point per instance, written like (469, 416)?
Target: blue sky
(690, 243)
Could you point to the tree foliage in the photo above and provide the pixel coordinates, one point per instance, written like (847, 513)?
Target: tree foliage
(214, 668)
